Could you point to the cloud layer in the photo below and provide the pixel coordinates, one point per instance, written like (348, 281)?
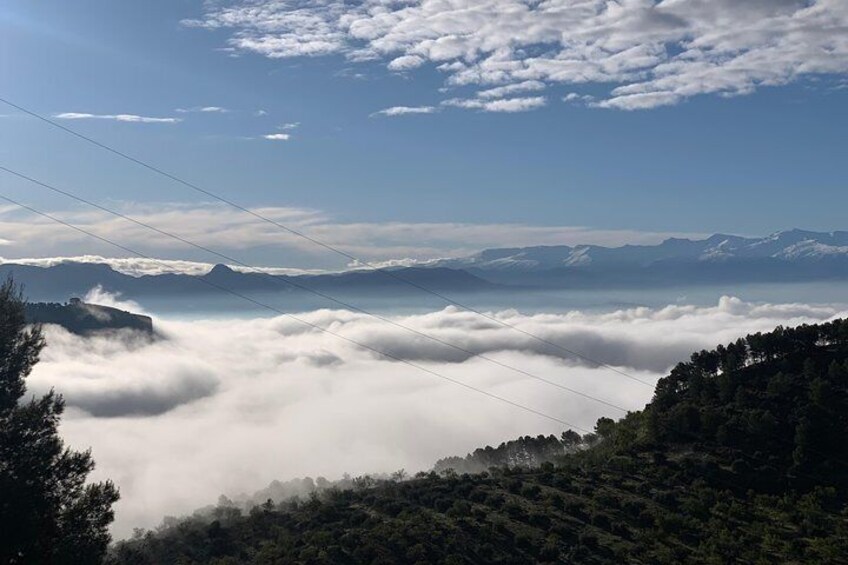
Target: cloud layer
(223, 228)
(226, 406)
(652, 53)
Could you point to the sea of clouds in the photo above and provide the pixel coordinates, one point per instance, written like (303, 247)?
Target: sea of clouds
(227, 406)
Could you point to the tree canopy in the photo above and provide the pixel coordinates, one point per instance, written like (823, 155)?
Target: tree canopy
(48, 514)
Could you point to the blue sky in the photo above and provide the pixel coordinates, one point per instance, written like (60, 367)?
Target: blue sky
(750, 149)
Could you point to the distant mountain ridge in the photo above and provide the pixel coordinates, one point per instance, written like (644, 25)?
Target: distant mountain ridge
(786, 256)
(68, 279)
(787, 245)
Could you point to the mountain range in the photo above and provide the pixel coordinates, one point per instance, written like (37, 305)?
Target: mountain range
(788, 256)
(63, 280)
(794, 255)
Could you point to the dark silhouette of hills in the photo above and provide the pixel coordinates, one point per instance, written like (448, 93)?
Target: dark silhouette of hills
(49, 283)
(739, 458)
(784, 257)
(81, 318)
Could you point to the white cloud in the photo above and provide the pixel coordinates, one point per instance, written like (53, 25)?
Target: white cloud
(574, 98)
(282, 400)
(204, 110)
(277, 136)
(289, 126)
(116, 117)
(505, 105)
(138, 266)
(653, 53)
(222, 228)
(510, 89)
(134, 266)
(99, 296)
(405, 110)
(406, 63)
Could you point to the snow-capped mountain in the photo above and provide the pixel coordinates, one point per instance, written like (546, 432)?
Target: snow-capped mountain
(787, 256)
(793, 245)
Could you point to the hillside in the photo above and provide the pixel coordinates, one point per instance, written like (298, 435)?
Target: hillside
(81, 318)
(738, 457)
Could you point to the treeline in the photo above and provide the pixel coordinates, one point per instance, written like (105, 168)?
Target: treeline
(780, 394)
(527, 451)
(738, 458)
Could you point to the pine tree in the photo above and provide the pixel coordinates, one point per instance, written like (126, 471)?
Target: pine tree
(48, 514)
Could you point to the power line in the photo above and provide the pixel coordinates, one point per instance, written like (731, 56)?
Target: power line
(298, 319)
(320, 243)
(294, 284)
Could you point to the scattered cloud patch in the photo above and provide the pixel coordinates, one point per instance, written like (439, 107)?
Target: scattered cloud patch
(203, 110)
(652, 53)
(132, 118)
(405, 110)
(406, 63)
(576, 98)
(503, 105)
(510, 89)
(277, 136)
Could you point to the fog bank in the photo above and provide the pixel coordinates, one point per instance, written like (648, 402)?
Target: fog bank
(227, 406)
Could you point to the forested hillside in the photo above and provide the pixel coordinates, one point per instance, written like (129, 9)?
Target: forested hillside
(739, 457)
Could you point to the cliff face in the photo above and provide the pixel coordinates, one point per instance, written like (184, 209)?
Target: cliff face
(81, 318)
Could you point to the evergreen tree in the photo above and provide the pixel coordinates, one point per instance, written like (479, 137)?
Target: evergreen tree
(48, 514)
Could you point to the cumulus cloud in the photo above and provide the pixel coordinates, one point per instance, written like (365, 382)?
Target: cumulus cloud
(222, 228)
(653, 53)
(575, 98)
(405, 110)
(277, 136)
(510, 89)
(133, 118)
(204, 110)
(406, 63)
(226, 406)
(506, 105)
